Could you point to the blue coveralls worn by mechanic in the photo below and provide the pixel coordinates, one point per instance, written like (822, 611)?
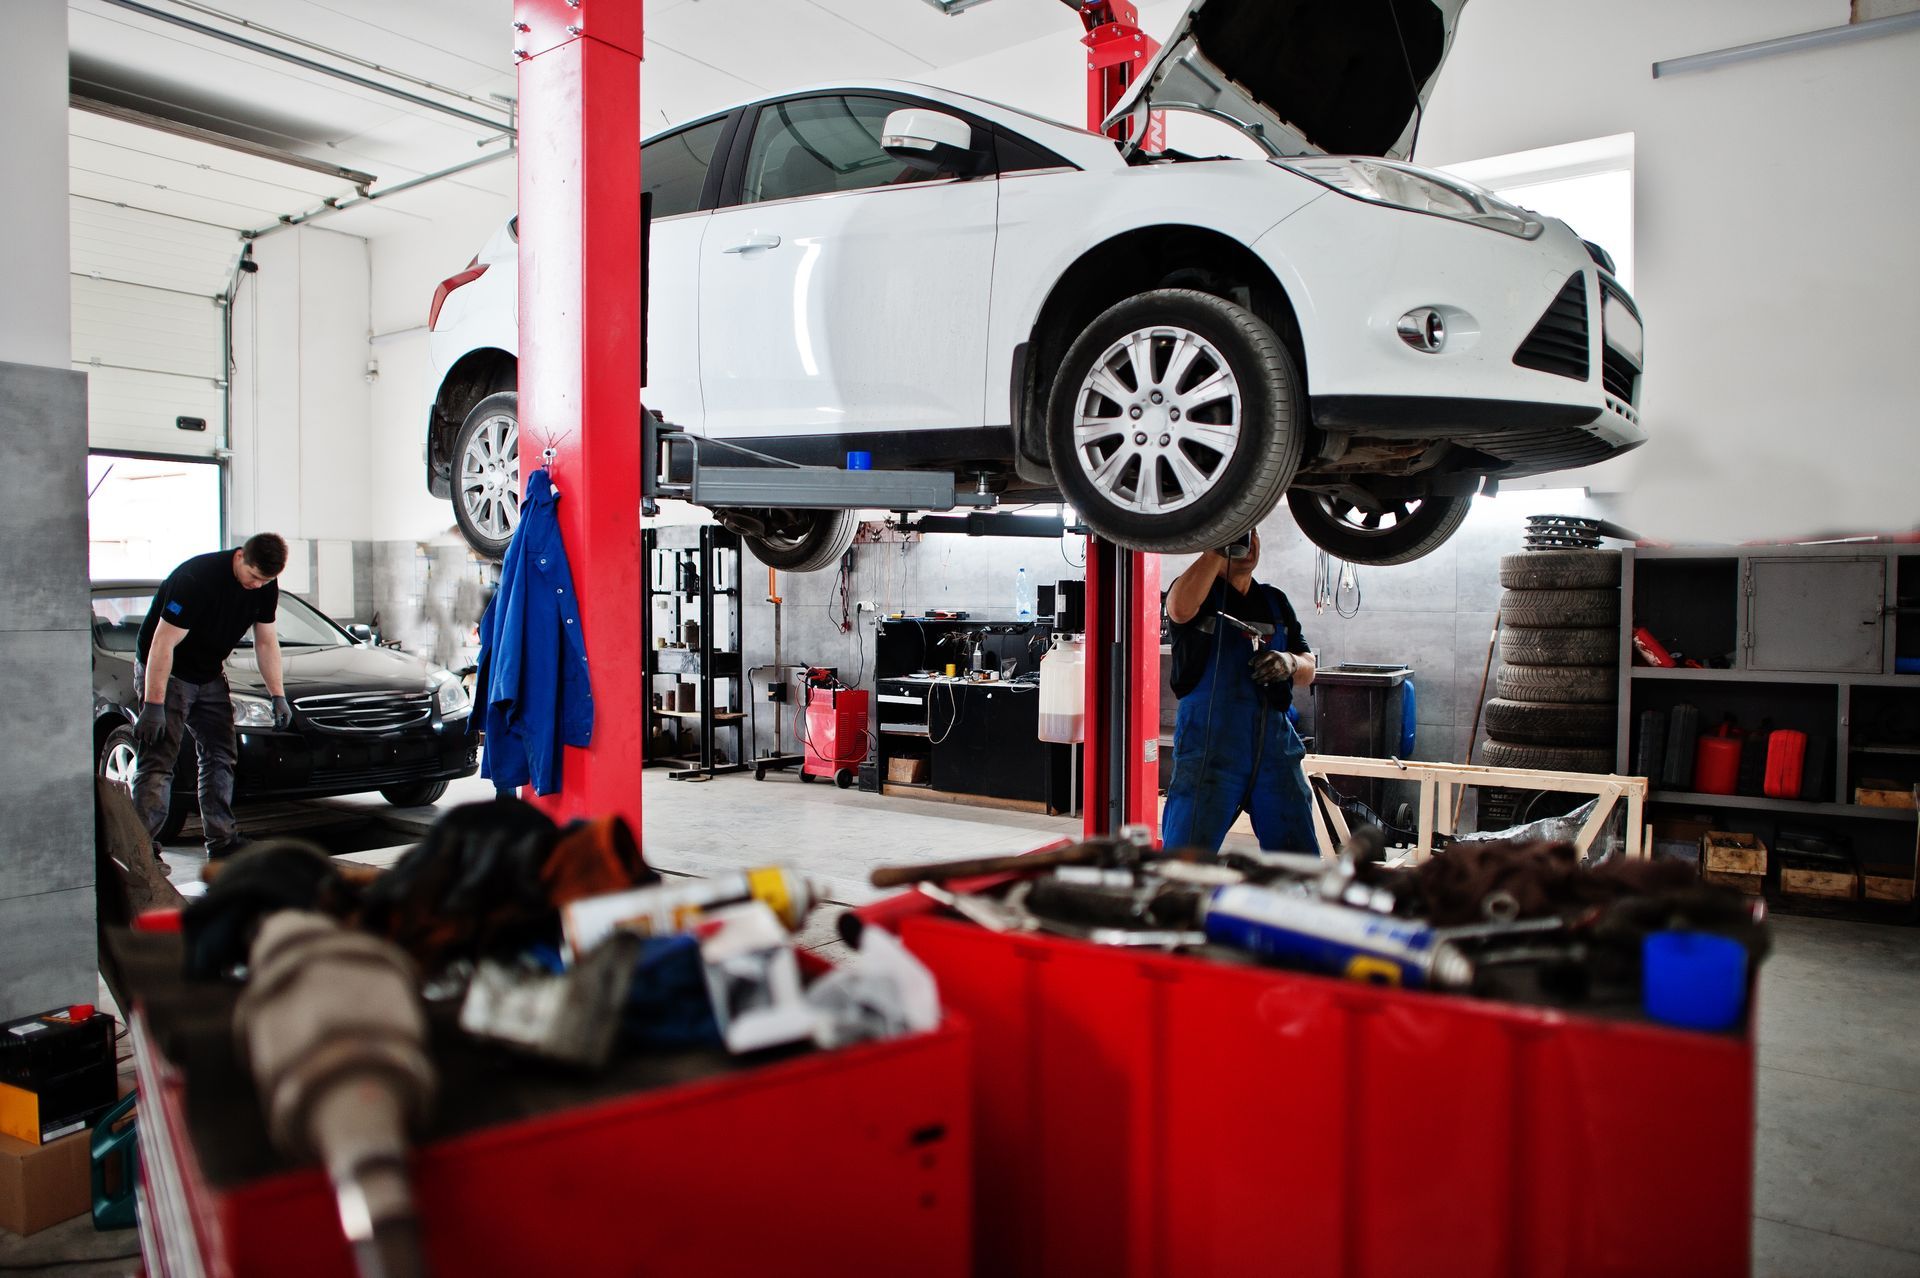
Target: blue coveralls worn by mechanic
(1234, 748)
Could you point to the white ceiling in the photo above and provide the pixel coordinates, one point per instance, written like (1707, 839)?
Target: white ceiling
(700, 55)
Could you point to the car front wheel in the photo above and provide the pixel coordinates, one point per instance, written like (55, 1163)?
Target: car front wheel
(119, 761)
(1175, 423)
(417, 795)
(486, 474)
(1378, 532)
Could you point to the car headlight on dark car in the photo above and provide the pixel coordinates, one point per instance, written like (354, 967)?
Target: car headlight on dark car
(450, 696)
(252, 712)
(1402, 186)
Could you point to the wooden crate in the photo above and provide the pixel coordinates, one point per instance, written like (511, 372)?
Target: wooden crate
(1887, 887)
(1886, 794)
(1832, 885)
(1732, 853)
(1748, 883)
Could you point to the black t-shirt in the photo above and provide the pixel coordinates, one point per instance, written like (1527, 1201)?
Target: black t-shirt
(1193, 641)
(205, 599)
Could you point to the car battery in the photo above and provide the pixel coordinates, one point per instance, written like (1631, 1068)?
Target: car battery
(57, 1073)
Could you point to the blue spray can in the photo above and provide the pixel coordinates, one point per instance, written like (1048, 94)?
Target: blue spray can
(1331, 938)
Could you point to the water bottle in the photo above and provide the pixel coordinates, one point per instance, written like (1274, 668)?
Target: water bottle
(1022, 597)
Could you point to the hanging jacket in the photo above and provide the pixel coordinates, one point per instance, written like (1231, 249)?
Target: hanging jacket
(532, 684)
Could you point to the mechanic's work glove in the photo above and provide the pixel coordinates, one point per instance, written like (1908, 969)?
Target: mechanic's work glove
(282, 714)
(151, 729)
(1274, 667)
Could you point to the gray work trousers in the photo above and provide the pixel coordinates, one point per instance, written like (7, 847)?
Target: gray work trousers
(205, 710)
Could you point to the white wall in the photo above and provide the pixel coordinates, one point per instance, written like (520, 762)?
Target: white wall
(35, 327)
(301, 403)
(1775, 247)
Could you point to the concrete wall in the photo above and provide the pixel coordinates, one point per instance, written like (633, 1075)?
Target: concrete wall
(47, 954)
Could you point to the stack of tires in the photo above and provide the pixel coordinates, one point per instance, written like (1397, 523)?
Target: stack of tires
(1557, 689)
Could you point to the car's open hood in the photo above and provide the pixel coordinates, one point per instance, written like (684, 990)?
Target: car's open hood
(1343, 77)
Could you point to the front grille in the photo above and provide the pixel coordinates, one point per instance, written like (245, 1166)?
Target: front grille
(1617, 373)
(1558, 343)
(366, 711)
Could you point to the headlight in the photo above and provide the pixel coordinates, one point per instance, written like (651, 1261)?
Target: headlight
(1402, 187)
(452, 698)
(252, 712)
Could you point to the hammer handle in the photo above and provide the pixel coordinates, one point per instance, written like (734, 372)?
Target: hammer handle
(939, 871)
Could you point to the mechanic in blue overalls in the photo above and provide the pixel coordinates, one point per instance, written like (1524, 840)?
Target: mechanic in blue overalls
(1238, 654)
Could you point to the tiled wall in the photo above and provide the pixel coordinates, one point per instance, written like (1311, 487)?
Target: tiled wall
(47, 954)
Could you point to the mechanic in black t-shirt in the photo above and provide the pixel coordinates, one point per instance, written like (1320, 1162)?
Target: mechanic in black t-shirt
(1237, 656)
(198, 616)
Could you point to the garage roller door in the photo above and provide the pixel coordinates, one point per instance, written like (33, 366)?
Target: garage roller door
(147, 328)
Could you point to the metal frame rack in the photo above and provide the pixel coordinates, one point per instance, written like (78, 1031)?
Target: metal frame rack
(705, 574)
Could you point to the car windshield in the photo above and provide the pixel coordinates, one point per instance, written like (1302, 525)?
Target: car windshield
(117, 619)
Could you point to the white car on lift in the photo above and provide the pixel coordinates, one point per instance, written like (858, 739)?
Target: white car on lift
(1169, 342)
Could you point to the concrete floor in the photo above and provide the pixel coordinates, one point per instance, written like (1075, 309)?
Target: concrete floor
(1838, 1145)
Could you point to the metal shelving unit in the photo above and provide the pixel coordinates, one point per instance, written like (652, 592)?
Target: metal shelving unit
(703, 565)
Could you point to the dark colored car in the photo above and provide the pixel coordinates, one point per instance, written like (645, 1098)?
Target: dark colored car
(364, 717)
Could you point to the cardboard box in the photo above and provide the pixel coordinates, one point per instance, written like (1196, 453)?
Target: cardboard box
(42, 1185)
(907, 771)
(1732, 853)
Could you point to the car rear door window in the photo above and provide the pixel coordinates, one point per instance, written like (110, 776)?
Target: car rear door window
(821, 146)
(673, 169)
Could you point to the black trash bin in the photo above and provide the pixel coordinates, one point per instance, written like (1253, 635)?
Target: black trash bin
(1361, 710)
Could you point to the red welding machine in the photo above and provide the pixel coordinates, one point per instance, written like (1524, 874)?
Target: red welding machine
(835, 734)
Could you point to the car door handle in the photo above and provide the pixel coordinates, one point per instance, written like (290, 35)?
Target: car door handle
(753, 242)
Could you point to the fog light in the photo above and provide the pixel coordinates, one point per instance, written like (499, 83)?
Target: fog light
(1423, 329)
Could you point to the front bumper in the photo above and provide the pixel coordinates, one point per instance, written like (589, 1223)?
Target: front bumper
(307, 764)
(1352, 269)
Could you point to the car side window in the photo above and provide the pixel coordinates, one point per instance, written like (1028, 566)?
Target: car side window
(820, 146)
(673, 169)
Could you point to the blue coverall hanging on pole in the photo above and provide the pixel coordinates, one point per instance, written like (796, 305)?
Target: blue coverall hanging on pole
(1238, 653)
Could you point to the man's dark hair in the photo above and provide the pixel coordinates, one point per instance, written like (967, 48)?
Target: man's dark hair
(267, 552)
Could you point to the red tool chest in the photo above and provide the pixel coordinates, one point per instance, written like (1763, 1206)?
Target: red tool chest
(1146, 1114)
(827, 1164)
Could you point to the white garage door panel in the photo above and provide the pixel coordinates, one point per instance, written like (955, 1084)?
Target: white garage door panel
(138, 247)
(145, 328)
(135, 412)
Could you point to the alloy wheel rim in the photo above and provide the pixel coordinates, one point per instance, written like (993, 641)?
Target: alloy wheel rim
(121, 763)
(490, 476)
(1358, 520)
(1158, 420)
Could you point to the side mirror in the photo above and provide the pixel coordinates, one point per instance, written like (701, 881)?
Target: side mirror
(361, 634)
(929, 141)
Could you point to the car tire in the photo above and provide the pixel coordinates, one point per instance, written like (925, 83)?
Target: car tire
(417, 795)
(486, 473)
(1560, 570)
(816, 540)
(118, 752)
(1537, 646)
(1502, 754)
(1551, 723)
(1585, 684)
(1239, 456)
(1420, 525)
(1560, 609)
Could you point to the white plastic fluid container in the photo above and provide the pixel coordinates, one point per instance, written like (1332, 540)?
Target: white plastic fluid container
(1063, 691)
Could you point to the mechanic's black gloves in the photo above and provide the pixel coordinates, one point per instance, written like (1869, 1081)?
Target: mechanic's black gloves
(151, 729)
(282, 714)
(1274, 667)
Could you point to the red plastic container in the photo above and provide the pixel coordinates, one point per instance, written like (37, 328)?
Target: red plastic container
(829, 1164)
(1716, 765)
(836, 741)
(1150, 1115)
(1786, 763)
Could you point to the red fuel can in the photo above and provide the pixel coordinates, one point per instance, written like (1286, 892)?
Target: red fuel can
(1716, 765)
(1786, 764)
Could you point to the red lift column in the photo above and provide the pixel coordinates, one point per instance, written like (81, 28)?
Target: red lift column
(580, 325)
(1122, 785)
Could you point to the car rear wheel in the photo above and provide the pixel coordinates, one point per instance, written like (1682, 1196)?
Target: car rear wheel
(1380, 532)
(1175, 424)
(795, 540)
(119, 761)
(417, 795)
(486, 474)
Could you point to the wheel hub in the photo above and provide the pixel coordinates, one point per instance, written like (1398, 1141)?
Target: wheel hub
(489, 474)
(1157, 419)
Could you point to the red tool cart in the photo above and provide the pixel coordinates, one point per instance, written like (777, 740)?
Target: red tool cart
(836, 729)
(674, 1163)
(1144, 1114)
